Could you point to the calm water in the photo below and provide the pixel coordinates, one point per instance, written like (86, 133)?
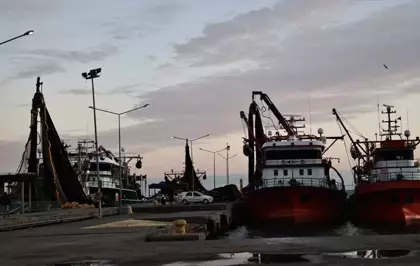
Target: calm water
(345, 229)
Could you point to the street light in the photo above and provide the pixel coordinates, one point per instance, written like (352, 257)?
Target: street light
(92, 74)
(227, 158)
(191, 141)
(214, 163)
(119, 140)
(29, 32)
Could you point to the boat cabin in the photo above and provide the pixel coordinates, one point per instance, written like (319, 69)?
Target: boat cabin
(394, 163)
(295, 162)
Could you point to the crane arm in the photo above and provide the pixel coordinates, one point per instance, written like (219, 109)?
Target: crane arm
(275, 111)
(356, 145)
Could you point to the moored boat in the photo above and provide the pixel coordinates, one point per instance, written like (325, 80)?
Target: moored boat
(83, 161)
(386, 175)
(289, 179)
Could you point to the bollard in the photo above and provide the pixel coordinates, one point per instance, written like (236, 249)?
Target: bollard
(180, 226)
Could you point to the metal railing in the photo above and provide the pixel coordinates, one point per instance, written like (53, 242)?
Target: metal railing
(104, 184)
(36, 206)
(397, 163)
(395, 176)
(302, 182)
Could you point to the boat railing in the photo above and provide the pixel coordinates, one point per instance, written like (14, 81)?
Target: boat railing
(303, 182)
(105, 184)
(395, 176)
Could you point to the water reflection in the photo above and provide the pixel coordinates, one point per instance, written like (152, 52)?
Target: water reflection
(87, 263)
(376, 254)
(344, 229)
(269, 259)
(244, 258)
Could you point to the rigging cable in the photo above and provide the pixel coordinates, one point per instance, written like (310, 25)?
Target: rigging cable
(350, 125)
(262, 109)
(346, 147)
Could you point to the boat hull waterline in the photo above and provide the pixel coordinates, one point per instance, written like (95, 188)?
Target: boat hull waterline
(295, 204)
(389, 202)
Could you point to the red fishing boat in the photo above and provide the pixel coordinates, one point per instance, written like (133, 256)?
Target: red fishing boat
(386, 175)
(289, 179)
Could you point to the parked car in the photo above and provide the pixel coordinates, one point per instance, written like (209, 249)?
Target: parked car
(194, 197)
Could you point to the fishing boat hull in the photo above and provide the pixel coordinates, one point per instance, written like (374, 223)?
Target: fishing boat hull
(295, 204)
(387, 202)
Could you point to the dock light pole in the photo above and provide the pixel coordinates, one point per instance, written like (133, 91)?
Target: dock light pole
(92, 74)
(227, 158)
(214, 163)
(191, 145)
(119, 141)
(29, 32)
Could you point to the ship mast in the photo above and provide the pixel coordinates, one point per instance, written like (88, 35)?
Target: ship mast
(392, 125)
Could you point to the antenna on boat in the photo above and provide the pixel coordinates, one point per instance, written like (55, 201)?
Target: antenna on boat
(408, 125)
(379, 116)
(310, 115)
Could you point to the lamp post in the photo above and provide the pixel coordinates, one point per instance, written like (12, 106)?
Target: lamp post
(92, 74)
(214, 163)
(227, 158)
(119, 140)
(29, 32)
(191, 142)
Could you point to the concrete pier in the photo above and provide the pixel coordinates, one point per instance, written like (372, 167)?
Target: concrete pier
(28, 220)
(78, 241)
(216, 218)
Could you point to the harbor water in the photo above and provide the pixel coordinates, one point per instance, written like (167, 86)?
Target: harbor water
(344, 229)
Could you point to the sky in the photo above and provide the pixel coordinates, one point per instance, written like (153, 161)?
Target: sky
(196, 63)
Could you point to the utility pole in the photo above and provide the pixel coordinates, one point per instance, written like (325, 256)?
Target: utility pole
(92, 74)
(214, 163)
(119, 143)
(227, 158)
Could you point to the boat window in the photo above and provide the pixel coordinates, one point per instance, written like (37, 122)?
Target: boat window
(309, 171)
(285, 172)
(392, 155)
(292, 154)
(301, 172)
(276, 172)
(102, 166)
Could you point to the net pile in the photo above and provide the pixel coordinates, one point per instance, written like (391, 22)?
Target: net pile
(76, 205)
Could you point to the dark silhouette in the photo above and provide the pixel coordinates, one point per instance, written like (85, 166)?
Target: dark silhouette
(190, 177)
(5, 201)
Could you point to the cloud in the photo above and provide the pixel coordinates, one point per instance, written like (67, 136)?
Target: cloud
(345, 61)
(135, 89)
(144, 19)
(151, 58)
(80, 92)
(42, 62)
(97, 54)
(34, 70)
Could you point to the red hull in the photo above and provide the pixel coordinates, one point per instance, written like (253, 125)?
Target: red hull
(392, 201)
(295, 204)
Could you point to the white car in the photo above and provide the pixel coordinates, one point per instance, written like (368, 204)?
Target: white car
(194, 197)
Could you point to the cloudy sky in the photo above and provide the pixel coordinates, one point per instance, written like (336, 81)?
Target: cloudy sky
(196, 62)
